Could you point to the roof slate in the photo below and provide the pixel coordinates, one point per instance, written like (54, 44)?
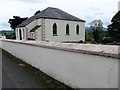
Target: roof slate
(51, 13)
(35, 28)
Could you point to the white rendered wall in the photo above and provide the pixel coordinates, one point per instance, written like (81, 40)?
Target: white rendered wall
(74, 69)
(17, 33)
(38, 32)
(61, 30)
(30, 27)
(39, 35)
(38, 21)
(23, 33)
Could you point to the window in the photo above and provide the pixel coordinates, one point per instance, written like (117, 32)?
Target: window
(54, 29)
(32, 34)
(77, 29)
(67, 30)
(20, 34)
(23, 33)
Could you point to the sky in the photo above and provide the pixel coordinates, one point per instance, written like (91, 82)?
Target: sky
(87, 10)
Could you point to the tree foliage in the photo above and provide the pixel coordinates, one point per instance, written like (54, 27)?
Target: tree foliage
(96, 26)
(114, 28)
(15, 21)
(89, 36)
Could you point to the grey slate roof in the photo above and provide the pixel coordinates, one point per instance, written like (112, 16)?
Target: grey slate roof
(35, 28)
(51, 13)
(26, 22)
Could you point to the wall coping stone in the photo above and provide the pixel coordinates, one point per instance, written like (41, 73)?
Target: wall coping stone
(93, 49)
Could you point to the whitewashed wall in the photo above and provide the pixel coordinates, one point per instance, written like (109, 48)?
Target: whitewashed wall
(39, 31)
(47, 25)
(74, 69)
(23, 33)
(29, 27)
(32, 25)
(61, 30)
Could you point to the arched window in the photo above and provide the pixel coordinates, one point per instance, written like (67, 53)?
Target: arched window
(77, 29)
(67, 30)
(54, 29)
(20, 34)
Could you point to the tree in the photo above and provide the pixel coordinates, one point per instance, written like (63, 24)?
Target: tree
(114, 28)
(15, 21)
(96, 26)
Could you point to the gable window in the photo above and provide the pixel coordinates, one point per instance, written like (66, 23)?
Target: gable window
(54, 29)
(77, 29)
(67, 30)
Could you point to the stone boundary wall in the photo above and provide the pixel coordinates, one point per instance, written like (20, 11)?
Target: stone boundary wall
(93, 49)
(67, 62)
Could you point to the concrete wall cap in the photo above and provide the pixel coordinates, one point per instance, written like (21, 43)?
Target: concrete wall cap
(101, 50)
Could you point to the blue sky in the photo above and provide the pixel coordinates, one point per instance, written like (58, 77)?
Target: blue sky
(84, 9)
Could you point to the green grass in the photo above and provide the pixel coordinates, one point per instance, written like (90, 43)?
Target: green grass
(41, 78)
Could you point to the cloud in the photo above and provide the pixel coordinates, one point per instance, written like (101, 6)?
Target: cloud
(94, 9)
(33, 1)
(28, 1)
(84, 9)
(99, 13)
(106, 22)
(4, 25)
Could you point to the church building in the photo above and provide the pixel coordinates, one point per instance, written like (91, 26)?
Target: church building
(52, 24)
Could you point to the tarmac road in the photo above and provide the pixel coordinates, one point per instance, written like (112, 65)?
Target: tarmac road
(15, 77)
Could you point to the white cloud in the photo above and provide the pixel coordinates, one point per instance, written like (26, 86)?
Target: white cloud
(33, 1)
(28, 1)
(84, 9)
(4, 25)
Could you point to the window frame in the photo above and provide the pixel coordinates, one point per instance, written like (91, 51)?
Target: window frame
(67, 29)
(54, 27)
(77, 30)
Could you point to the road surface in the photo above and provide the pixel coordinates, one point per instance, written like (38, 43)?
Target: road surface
(15, 77)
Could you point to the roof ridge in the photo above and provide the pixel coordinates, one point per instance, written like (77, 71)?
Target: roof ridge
(51, 13)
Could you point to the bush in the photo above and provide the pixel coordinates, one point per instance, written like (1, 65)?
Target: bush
(80, 41)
